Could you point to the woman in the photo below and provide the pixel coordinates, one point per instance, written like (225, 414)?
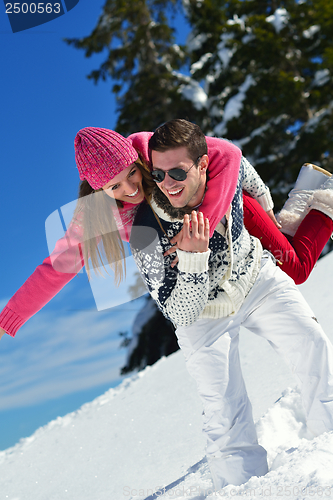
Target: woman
(115, 179)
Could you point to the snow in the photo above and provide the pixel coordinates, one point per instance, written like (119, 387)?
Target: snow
(142, 440)
(178, 50)
(279, 19)
(105, 21)
(309, 33)
(248, 38)
(195, 42)
(195, 93)
(237, 20)
(225, 53)
(199, 64)
(321, 77)
(313, 122)
(234, 106)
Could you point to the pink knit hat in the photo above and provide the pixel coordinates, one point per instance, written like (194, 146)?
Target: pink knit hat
(100, 154)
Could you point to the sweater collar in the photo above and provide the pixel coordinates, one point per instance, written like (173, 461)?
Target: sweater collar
(162, 213)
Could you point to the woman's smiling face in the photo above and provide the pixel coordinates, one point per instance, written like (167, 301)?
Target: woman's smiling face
(126, 186)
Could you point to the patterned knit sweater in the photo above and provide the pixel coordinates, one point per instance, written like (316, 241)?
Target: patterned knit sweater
(211, 284)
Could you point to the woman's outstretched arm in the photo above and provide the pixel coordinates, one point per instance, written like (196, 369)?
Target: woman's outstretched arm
(45, 282)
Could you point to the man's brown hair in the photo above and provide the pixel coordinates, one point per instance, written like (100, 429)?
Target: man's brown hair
(179, 133)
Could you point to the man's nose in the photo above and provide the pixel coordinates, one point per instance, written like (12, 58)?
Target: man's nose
(168, 182)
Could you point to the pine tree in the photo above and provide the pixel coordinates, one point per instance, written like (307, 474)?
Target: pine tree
(155, 339)
(267, 72)
(143, 61)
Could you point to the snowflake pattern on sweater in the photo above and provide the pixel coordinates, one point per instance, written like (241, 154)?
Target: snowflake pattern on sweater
(210, 284)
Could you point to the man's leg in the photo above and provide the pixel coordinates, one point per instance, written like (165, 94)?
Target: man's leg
(284, 318)
(211, 352)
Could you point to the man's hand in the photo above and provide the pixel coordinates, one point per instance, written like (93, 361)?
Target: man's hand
(271, 215)
(2, 332)
(191, 240)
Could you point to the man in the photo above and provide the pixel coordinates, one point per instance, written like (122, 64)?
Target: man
(217, 286)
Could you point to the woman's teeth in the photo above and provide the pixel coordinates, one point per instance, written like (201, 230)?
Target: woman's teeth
(135, 193)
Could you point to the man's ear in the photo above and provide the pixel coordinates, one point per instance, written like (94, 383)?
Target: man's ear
(203, 165)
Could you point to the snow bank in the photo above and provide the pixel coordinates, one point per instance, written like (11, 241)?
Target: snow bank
(126, 438)
(143, 439)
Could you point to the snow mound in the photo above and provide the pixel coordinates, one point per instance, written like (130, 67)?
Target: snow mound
(143, 440)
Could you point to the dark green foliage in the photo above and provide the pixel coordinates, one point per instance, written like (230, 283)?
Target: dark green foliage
(286, 114)
(143, 61)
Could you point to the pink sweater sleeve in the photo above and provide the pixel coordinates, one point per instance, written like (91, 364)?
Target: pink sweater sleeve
(223, 169)
(45, 282)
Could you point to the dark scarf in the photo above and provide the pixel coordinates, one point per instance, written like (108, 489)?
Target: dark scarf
(162, 202)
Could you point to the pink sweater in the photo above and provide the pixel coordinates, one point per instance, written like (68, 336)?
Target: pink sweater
(67, 258)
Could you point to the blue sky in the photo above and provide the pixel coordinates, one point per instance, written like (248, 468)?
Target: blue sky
(69, 352)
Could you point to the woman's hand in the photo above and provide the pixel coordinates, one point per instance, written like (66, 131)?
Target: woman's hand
(271, 215)
(174, 241)
(2, 332)
(195, 239)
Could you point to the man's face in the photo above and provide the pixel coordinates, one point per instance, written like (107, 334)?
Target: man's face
(181, 193)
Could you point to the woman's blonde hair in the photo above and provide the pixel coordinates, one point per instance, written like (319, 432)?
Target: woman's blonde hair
(101, 238)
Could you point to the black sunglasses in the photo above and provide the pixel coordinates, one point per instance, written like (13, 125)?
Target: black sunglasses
(177, 174)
